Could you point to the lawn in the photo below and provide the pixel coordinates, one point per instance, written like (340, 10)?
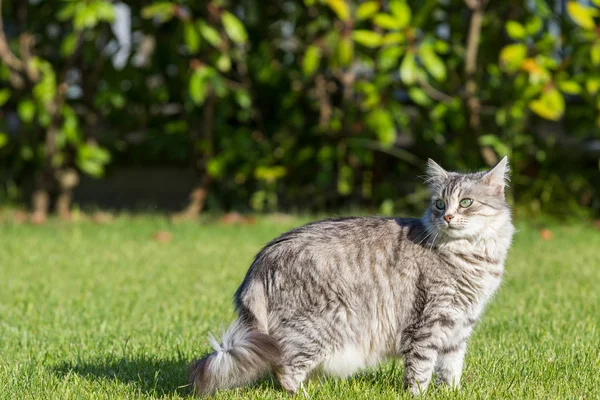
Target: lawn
(104, 311)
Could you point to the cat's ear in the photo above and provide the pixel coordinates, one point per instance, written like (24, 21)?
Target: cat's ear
(497, 177)
(435, 174)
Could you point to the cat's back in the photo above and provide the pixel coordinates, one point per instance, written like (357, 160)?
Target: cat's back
(346, 231)
(337, 245)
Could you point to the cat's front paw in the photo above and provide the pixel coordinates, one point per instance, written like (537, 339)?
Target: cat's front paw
(448, 381)
(415, 387)
(448, 384)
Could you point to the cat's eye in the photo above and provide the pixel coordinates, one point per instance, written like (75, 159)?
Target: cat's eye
(464, 203)
(439, 204)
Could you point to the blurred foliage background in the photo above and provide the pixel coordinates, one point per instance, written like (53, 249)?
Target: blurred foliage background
(313, 105)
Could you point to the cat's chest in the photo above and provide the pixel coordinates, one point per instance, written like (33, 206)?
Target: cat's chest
(473, 285)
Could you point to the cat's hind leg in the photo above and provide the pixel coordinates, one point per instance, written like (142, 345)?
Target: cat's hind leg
(293, 371)
(299, 357)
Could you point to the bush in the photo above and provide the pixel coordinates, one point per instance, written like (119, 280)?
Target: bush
(314, 104)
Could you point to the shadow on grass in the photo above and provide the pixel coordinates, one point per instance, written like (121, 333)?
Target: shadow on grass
(148, 375)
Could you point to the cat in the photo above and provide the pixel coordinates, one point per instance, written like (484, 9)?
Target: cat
(339, 295)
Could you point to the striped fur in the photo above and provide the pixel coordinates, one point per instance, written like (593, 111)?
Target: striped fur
(342, 294)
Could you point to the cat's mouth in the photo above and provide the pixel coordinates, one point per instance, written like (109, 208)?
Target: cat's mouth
(445, 226)
(451, 230)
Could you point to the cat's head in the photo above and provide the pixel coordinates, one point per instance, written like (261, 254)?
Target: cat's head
(466, 205)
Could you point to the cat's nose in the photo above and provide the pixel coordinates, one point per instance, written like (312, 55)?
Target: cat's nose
(448, 218)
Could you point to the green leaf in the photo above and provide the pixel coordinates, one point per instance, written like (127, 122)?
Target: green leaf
(512, 56)
(401, 11)
(370, 92)
(393, 38)
(105, 11)
(515, 30)
(243, 99)
(311, 60)
(345, 180)
(595, 52)
(386, 21)
(582, 15)
(3, 139)
(408, 69)
(387, 207)
(90, 167)
(224, 63)
(381, 122)
(345, 51)
(432, 63)
(191, 37)
(67, 11)
(27, 153)
(388, 57)
(26, 110)
(85, 17)
(163, 11)
(596, 3)
(210, 34)
(419, 96)
(340, 8)
(45, 90)
(198, 85)
(543, 9)
(438, 112)
(534, 25)
(91, 159)
(4, 96)
(366, 10)
(441, 46)
(215, 167)
(550, 105)
(367, 38)
(68, 45)
(592, 85)
(493, 141)
(70, 126)
(234, 28)
(269, 174)
(569, 87)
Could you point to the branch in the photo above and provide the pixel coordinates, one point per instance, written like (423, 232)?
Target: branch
(473, 102)
(18, 66)
(323, 98)
(476, 7)
(6, 55)
(26, 42)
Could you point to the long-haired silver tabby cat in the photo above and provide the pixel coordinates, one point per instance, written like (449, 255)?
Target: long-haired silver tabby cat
(339, 295)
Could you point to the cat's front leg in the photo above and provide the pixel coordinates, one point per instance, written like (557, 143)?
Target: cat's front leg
(449, 364)
(419, 362)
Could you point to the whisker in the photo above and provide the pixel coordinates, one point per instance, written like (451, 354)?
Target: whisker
(423, 237)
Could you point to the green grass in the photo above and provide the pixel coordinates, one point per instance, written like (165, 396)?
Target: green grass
(102, 311)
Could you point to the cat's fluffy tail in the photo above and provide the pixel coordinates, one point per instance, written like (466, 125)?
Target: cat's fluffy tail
(243, 356)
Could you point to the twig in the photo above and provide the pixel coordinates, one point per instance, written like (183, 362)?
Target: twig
(397, 152)
(433, 92)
